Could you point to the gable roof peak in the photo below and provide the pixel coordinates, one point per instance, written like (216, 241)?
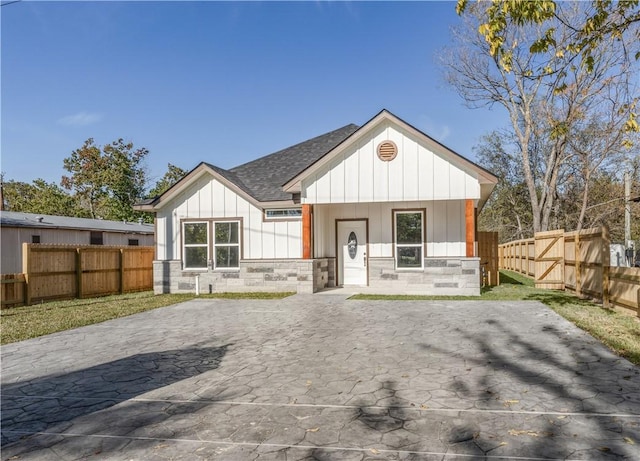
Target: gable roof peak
(294, 183)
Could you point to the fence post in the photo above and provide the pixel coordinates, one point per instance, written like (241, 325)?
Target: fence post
(520, 254)
(512, 257)
(26, 257)
(576, 258)
(25, 291)
(79, 272)
(505, 257)
(495, 244)
(605, 255)
(121, 266)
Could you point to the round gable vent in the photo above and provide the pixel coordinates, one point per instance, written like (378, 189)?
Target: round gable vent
(387, 151)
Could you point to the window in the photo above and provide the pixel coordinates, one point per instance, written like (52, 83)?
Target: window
(223, 237)
(196, 245)
(35, 239)
(226, 244)
(96, 238)
(133, 242)
(283, 213)
(409, 232)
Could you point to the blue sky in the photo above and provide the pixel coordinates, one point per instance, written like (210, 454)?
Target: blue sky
(219, 82)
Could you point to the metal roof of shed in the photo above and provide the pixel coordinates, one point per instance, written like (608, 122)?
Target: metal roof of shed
(42, 221)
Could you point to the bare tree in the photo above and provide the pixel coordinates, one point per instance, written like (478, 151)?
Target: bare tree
(508, 211)
(550, 96)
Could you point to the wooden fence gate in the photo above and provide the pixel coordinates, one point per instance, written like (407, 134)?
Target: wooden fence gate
(549, 259)
(488, 253)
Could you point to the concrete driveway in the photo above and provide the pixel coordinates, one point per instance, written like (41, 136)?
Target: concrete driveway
(321, 377)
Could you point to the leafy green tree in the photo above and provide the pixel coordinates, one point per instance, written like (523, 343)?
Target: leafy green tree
(107, 180)
(87, 167)
(39, 197)
(172, 176)
(126, 179)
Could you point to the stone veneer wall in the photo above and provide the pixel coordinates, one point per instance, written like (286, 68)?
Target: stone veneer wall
(440, 276)
(275, 275)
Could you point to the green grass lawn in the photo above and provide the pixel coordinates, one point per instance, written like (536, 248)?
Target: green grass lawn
(619, 330)
(19, 323)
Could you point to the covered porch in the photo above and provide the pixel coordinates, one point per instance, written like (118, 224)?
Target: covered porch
(419, 247)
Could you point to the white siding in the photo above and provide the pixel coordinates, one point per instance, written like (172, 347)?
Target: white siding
(437, 229)
(417, 173)
(209, 198)
(445, 226)
(269, 241)
(351, 184)
(163, 238)
(364, 175)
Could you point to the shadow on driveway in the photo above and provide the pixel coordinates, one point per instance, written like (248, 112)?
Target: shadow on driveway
(584, 384)
(36, 405)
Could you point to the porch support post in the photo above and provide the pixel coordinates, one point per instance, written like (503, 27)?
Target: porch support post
(470, 215)
(306, 231)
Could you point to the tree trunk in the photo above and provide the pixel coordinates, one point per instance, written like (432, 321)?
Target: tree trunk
(585, 201)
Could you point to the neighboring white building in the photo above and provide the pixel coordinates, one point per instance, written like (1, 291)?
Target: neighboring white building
(381, 205)
(17, 228)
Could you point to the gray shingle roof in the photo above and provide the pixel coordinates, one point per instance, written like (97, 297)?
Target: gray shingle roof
(18, 219)
(232, 177)
(263, 178)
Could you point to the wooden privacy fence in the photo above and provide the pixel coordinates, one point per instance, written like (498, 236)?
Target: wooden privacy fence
(577, 261)
(12, 289)
(65, 271)
(488, 253)
(518, 256)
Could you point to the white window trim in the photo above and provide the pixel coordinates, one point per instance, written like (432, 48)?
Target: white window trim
(215, 245)
(186, 245)
(408, 245)
(280, 218)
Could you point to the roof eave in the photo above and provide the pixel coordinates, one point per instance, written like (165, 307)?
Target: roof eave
(187, 180)
(146, 207)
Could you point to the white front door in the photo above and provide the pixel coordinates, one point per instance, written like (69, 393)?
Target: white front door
(352, 252)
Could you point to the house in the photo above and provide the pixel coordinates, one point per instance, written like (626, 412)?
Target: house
(382, 206)
(17, 228)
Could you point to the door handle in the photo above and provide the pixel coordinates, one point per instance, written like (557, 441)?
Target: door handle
(365, 259)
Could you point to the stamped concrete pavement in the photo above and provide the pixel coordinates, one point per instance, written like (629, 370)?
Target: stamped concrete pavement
(321, 377)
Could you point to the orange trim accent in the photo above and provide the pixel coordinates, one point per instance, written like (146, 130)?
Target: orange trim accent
(470, 215)
(306, 231)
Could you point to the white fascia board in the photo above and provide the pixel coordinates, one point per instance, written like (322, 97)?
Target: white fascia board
(194, 175)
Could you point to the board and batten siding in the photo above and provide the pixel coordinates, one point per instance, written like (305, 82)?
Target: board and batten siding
(445, 220)
(209, 198)
(417, 173)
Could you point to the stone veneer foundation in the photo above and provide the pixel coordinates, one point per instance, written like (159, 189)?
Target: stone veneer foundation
(440, 276)
(274, 275)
